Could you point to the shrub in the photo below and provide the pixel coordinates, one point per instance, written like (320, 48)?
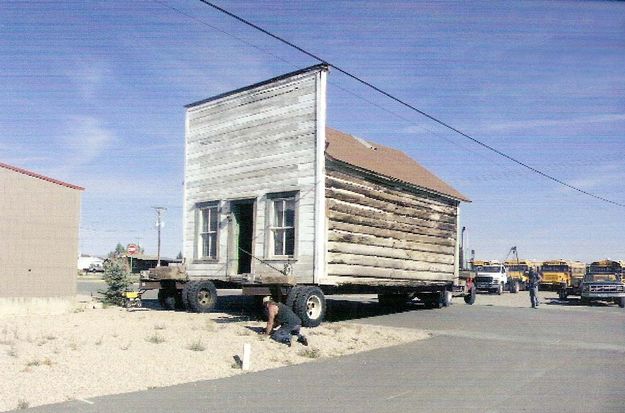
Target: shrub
(197, 346)
(117, 277)
(312, 353)
(12, 352)
(155, 339)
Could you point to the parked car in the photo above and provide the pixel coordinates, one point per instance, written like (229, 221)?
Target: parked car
(93, 268)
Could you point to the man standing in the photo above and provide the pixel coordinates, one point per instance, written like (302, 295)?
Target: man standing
(279, 315)
(534, 279)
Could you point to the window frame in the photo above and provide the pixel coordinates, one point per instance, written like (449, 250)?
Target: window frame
(270, 226)
(199, 240)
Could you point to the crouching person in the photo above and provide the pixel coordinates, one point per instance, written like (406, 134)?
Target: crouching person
(282, 323)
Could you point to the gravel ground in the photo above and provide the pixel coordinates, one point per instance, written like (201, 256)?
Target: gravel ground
(94, 352)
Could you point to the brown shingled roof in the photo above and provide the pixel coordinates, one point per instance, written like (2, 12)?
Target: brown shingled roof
(38, 176)
(385, 161)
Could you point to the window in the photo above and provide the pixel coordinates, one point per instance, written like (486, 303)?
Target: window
(282, 225)
(207, 231)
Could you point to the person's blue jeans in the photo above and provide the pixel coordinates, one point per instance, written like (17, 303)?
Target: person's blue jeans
(534, 296)
(284, 333)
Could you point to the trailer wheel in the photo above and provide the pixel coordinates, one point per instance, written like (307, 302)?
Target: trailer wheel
(291, 297)
(310, 306)
(562, 295)
(185, 296)
(167, 299)
(179, 300)
(470, 298)
(432, 300)
(202, 296)
(621, 302)
(514, 287)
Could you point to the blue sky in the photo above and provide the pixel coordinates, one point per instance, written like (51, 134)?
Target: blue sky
(92, 92)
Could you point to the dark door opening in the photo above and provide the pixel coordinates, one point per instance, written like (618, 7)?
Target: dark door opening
(244, 218)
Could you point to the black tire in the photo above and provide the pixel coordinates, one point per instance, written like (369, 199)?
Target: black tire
(167, 299)
(202, 296)
(514, 287)
(393, 300)
(446, 298)
(470, 297)
(433, 300)
(185, 296)
(291, 297)
(621, 302)
(310, 306)
(179, 302)
(562, 295)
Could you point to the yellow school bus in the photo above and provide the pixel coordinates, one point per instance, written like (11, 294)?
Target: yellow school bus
(517, 273)
(561, 274)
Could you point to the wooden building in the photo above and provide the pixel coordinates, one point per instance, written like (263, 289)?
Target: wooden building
(268, 186)
(39, 225)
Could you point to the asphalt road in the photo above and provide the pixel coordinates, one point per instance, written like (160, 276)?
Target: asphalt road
(481, 358)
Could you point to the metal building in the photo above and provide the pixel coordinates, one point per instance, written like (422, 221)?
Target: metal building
(39, 226)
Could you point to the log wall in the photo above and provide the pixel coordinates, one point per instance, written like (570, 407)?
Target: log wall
(380, 229)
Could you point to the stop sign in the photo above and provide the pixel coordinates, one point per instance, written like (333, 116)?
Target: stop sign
(132, 249)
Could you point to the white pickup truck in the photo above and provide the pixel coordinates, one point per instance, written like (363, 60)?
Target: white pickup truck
(491, 277)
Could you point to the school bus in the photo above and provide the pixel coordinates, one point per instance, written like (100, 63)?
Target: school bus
(562, 274)
(517, 273)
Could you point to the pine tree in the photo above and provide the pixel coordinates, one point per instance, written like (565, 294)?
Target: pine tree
(119, 250)
(117, 277)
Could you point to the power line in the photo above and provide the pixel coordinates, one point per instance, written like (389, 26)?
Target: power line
(498, 176)
(334, 84)
(408, 105)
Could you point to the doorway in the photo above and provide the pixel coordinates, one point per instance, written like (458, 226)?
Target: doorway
(243, 234)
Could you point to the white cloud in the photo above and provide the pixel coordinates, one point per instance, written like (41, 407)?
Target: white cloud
(602, 179)
(539, 123)
(88, 77)
(85, 141)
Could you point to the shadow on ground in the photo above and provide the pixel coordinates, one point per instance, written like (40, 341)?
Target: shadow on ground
(245, 308)
(577, 302)
(346, 310)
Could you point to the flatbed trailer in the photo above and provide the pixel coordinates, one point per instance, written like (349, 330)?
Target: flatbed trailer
(176, 291)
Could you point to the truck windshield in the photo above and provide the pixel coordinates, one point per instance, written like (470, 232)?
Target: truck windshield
(488, 268)
(601, 277)
(555, 268)
(600, 269)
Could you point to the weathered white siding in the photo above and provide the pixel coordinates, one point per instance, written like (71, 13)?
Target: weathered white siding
(247, 144)
(377, 230)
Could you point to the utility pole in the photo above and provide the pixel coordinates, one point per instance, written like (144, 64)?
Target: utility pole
(159, 224)
(462, 257)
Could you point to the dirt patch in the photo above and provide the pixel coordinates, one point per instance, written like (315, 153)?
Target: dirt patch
(94, 352)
